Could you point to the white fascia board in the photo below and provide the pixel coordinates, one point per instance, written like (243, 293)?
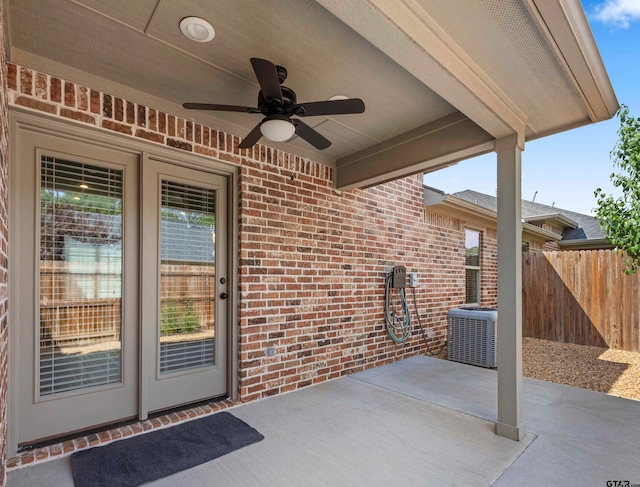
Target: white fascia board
(585, 244)
(553, 217)
(567, 30)
(541, 233)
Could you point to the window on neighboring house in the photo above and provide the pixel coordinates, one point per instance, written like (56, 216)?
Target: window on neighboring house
(472, 266)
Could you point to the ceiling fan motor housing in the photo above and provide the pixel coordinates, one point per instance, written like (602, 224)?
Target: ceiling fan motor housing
(282, 73)
(288, 106)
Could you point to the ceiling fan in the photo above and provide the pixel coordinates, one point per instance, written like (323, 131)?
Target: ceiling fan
(278, 104)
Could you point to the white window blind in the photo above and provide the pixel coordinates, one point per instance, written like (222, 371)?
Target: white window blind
(80, 278)
(187, 277)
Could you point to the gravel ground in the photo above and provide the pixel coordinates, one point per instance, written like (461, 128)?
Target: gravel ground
(614, 372)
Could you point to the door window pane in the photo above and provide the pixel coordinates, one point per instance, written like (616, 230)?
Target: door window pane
(80, 278)
(187, 277)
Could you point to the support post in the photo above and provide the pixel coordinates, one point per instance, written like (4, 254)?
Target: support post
(510, 423)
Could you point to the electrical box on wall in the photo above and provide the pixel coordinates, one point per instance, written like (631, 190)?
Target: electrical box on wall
(413, 279)
(399, 276)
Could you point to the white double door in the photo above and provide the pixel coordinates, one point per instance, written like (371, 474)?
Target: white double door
(119, 287)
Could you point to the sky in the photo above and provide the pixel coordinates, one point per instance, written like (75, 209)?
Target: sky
(565, 169)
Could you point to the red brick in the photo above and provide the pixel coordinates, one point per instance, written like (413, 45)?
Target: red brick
(178, 144)
(118, 109)
(153, 120)
(12, 73)
(205, 151)
(180, 130)
(79, 116)
(82, 98)
(69, 94)
(117, 127)
(41, 86)
(142, 116)
(95, 101)
(131, 113)
(26, 81)
(107, 106)
(143, 134)
(35, 104)
(162, 122)
(55, 90)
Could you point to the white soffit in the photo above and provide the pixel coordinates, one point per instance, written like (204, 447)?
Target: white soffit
(498, 67)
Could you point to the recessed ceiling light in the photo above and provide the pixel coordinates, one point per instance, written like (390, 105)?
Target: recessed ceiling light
(197, 29)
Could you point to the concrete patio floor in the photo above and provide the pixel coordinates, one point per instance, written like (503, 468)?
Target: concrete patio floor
(418, 422)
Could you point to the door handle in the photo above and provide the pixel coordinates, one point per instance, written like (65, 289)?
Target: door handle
(224, 295)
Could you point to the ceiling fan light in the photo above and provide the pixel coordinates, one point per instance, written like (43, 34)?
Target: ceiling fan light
(197, 29)
(277, 129)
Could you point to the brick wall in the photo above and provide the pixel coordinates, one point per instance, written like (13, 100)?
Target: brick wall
(312, 260)
(4, 128)
(489, 269)
(448, 235)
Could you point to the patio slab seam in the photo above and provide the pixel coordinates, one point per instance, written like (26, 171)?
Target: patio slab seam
(422, 399)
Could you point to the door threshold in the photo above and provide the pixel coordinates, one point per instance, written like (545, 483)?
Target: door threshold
(183, 407)
(62, 446)
(74, 435)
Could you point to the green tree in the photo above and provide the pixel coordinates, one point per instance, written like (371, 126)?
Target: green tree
(620, 217)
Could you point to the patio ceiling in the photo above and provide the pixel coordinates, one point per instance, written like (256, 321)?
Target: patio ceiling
(441, 80)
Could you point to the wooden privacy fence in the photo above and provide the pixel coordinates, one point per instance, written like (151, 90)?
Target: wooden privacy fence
(581, 297)
(87, 305)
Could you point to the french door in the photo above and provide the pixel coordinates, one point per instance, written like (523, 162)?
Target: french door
(118, 283)
(184, 285)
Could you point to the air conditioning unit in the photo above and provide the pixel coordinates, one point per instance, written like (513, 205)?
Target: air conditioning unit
(473, 336)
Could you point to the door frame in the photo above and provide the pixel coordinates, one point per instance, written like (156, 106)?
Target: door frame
(22, 121)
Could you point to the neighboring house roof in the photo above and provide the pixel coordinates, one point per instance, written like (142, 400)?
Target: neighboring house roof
(466, 210)
(578, 226)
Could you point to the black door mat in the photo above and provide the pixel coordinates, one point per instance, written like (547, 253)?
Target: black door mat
(151, 456)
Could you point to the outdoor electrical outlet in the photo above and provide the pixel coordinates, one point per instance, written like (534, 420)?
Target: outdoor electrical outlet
(413, 279)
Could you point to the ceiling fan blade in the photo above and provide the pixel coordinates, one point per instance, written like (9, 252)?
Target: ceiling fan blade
(310, 135)
(332, 107)
(268, 78)
(222, 108)
(251, 138)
